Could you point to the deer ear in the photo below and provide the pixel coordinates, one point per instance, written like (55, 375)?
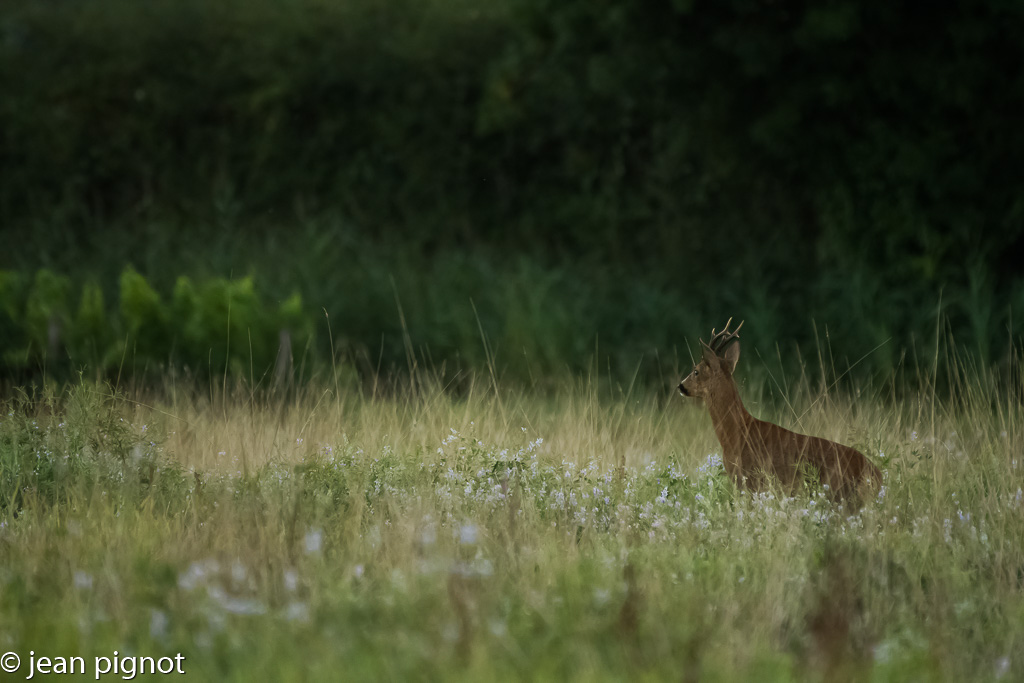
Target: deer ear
(709, 355)
(731, 357)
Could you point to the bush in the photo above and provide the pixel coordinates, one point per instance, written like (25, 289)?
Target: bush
(216, 326)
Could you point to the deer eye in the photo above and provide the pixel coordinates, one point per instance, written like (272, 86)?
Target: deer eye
(696, 371)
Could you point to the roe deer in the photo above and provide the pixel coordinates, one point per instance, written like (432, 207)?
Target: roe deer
(754, 450)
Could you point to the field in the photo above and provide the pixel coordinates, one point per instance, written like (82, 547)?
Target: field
(413, 530)
(339, 340)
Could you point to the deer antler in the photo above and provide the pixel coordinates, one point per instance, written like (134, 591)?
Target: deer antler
(720, 340)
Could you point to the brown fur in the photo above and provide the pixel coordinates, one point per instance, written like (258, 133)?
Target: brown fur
(753, 450)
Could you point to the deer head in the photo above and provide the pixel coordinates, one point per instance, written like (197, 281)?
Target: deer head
(717, 363)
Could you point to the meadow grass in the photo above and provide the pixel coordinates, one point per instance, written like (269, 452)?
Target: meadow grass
(418, 531)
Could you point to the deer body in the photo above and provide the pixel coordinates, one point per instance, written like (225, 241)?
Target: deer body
(754, 451)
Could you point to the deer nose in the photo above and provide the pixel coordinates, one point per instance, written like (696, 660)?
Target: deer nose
(682, 390)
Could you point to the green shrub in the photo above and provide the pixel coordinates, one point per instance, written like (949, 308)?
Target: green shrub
(215, 326)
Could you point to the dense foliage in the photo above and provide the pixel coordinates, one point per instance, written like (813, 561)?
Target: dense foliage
(211, 327)
(807, 165)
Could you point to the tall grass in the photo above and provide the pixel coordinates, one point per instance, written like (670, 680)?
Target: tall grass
(417, 530)
(542, 312)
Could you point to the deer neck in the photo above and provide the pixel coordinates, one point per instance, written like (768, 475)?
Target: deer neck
(730, 419)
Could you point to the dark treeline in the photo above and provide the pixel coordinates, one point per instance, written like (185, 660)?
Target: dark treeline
(629, 172)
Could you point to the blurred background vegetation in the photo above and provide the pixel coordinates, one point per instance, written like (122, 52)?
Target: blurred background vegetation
(580, 185)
